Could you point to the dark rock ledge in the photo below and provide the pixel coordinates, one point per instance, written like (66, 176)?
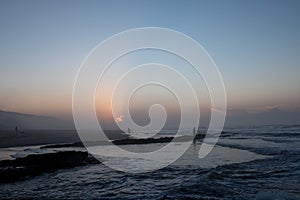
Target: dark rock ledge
(36, 164)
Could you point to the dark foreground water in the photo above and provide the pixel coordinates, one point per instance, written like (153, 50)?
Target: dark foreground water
(248, 163)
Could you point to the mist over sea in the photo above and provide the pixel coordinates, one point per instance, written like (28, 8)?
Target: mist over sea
(247, 163)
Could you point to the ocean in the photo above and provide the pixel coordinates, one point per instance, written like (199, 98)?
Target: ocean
(247, 163)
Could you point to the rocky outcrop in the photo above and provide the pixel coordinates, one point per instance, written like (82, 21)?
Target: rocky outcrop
(35, 164)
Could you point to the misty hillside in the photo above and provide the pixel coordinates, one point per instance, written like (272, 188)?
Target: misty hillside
(9, 120)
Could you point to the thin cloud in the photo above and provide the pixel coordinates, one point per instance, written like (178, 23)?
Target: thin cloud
(119, 119)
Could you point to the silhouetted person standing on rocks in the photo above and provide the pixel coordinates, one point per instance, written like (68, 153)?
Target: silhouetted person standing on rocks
(16, 129)
(194, 133)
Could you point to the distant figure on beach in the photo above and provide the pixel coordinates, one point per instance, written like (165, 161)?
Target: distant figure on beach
(18, 130)
(129, 131)
(194, 134)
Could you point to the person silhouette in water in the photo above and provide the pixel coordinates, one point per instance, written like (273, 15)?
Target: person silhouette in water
(194, 134)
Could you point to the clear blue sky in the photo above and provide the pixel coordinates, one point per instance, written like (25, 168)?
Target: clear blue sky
(256, 45)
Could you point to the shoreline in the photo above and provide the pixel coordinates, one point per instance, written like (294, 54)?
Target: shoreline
(18, 168)
(10, 139)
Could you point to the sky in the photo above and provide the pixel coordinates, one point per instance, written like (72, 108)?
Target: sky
(255, 44)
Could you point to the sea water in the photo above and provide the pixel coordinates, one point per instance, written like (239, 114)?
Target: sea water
(247, 163)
